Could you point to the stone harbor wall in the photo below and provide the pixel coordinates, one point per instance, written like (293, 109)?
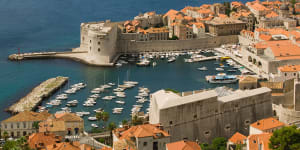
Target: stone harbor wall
(125, 45)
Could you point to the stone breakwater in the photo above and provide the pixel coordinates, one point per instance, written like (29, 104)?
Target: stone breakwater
(35, 97)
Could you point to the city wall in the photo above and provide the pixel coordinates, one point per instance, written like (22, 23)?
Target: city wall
(126, 45)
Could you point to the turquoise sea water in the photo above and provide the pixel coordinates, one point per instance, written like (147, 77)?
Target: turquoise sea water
(49, 25)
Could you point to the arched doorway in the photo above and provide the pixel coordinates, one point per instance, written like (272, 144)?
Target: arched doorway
(259, 64)
(249, 58)
(69, 131)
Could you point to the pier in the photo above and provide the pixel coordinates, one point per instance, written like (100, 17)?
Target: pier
(206, 58)
(38, 94)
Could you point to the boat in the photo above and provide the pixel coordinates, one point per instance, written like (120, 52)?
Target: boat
(219, 69)
(120, 102)
(223, 78)
(188, 60)
(231, 70)
(171, 59)
(107, 98)
(95, 96)
(111, 84)
(154, 64)
(118, 89)
(99, 110)
(118, 64)
(202, 68)
(143, 62)
(94, 125)
(131, 82)
(92, 118)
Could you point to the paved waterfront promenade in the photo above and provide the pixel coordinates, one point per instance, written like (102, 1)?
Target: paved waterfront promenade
(34, 98)
(243, 62)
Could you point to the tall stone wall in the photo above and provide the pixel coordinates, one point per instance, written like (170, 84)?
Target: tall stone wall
(207, 119)
(126, 45)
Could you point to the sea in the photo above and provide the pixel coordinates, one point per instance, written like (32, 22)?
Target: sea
(54, 25)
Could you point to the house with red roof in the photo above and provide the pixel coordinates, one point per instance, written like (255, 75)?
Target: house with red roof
(236, 139)
(183, 145)
(267, 125)
(140, 137)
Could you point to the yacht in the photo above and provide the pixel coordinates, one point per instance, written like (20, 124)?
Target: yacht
(219, 69)
(92, 118)
(120, 102)
(171, 59)
(99, 110)
(202, 68)
(223, 78)
(94, 125)
(143, 62)
(111, 84)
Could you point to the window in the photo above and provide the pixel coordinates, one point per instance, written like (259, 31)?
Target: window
(24, 133)
(90, 48)
(170, 122)
(83, 38)
(5, 126)
(98, 43)
(11, 125)
(90, 41)
(98, 49)
(195, 116)
(285, 74)
(294, 74)
(145, 143)
(18, 125)
(24, 125)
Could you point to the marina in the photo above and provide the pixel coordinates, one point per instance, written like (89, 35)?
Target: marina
(127, 92)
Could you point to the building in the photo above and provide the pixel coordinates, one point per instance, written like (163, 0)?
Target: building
(247, 82)
(236, 139)
(149, 19)
(65, 146)
(99, 40)
(258, 9)
(286, 73)
(259, 141)
(183, 145)
(152, 34)
(23, 123)
(221, 26)
(63, 124)
(204, 115)
(140, 137)
(268, 125)
(42, 140)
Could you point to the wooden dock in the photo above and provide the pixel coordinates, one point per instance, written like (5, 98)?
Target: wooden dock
(38, 94)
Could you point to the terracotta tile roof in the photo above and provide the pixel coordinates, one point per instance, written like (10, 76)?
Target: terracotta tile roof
(238, 138)
(289, 68)
(68, 117)
(272, 14)
(223, 16)
(282, 49)
(183, 145)
(151, 13)
(64, 146)
(52, 126)
(184, 10)
(41, 140)
(153, 30)
(139, 131)
(266, 124)
(256, 139)
(207, 6)
(171, 12)
(28, 116)
(257, 6)
(265, 37)
(236, 4)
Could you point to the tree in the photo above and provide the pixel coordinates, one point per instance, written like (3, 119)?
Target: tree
(219, 143)
(124, 122)
(174, 37)
(111, 127)
(5, 135)
(136, 120)
(35, 125)
(286, 138)
(19, 144)
(105, 116)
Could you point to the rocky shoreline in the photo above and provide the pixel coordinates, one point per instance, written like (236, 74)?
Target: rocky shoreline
(39, 93)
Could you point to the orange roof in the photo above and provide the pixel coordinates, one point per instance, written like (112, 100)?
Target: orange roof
(171, 12)
(272, 14)
(186, 8)
(28, 116)
(183, 145)
(223, 16)
(236, 4)
(67, 117)
(151, 13)
(289, 68)
(204, 11)
(40, 140)
(238, 138)
(188, 18)
(207, 6)
(268, 123)
(256, 139)
(139, 131)
(265, 37)
(64, 146)
(257, 6)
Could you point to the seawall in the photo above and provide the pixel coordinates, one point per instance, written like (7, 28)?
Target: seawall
(39, 93)
(174, 45)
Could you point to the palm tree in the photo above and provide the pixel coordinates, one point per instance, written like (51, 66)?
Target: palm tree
(111, 127)
(99, 116)
(5, 135)
(105, 116)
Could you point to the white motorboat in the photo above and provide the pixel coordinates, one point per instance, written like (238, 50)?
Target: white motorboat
(219, 69)
(118, 89)
(95, 96)
(120, 102)
(202, 68)
(131, 82)
(111, 84)
(92, 118)
(94, 125)
(118, 64)
(171, 59)
(107, 98)
(99, 110)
